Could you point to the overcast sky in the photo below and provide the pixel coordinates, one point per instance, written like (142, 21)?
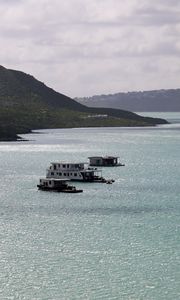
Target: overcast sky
(88, 47)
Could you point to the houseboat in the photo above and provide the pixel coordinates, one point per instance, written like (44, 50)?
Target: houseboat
(57, 185)
(105, 161)
(74, 172)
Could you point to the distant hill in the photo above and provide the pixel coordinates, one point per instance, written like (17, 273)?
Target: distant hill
(27, 104)
(160, 101)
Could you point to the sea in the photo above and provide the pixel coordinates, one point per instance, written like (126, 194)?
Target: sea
(113, 241)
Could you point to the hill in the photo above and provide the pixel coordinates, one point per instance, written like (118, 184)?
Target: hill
(28, 104)
(160, 100)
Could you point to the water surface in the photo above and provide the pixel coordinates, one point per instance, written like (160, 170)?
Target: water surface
(119, 241)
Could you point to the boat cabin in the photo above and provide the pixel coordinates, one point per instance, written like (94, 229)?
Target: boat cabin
(52, 183)
(65, 166)
(74, 171)
(104, 161)
(59, 185)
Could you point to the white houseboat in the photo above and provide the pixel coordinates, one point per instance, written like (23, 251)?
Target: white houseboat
(105, 161)
(74, 171)
(57, 185)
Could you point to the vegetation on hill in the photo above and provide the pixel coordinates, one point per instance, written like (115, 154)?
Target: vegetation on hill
(158, 100)
(28, 104)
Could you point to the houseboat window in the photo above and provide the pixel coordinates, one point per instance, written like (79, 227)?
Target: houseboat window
(76, 166)
(75, 174)
(67, 166)
(67, 174)
(54, 167)
(64, 174)
(52, 173)
(50, 182)
(64, 166)
(71, 174)
(60, 174)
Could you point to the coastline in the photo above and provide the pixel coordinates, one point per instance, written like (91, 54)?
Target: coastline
(18, 138)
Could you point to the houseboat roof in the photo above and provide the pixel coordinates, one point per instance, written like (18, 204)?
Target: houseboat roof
(104, 157)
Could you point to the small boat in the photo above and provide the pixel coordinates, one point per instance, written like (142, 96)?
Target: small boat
(105, 161)
(110, 181)
(57, 185)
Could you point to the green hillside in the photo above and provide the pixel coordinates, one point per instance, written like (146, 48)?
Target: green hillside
(27, 104)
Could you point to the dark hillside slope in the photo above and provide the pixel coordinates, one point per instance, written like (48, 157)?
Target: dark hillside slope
(27, 104)
(23, 87)
(124, 114)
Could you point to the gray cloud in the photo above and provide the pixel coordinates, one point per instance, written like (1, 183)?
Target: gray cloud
(10, 1)
(154, 16)
(83, 47)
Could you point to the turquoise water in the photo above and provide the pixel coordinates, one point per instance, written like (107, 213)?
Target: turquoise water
(119, 241)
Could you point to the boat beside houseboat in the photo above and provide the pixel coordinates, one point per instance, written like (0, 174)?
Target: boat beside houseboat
(57, 185)
(105, 161)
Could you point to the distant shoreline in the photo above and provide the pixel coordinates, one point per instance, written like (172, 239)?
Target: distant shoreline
(18, 138)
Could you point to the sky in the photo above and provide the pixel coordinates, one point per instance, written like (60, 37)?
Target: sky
(90, 47)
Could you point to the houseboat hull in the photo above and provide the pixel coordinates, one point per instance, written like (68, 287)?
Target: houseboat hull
(73, 191)
(57, 185)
